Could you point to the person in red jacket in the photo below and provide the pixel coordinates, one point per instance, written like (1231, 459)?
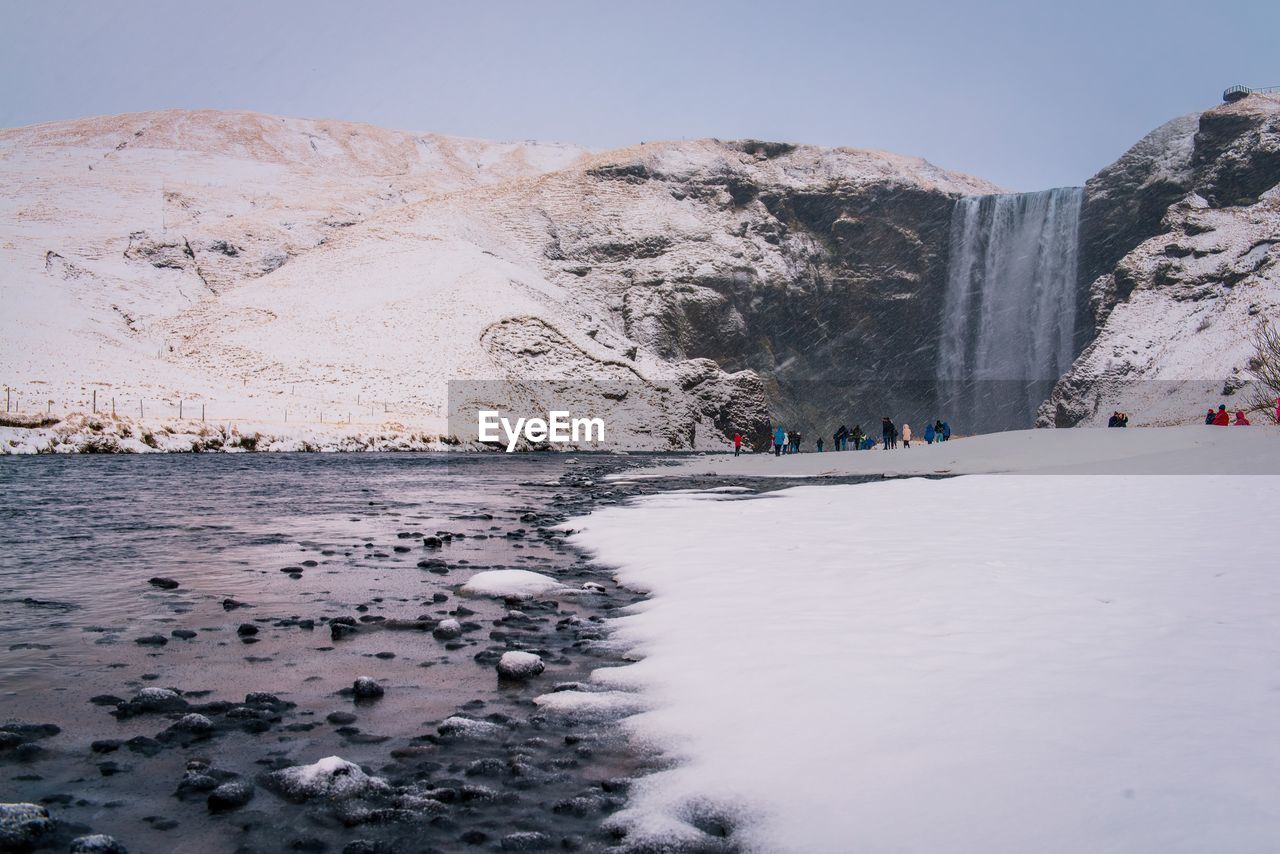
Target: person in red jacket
(1241, 421)
(1223, 418)
(737, 444)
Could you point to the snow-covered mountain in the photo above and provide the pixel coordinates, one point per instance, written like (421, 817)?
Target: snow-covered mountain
(279, 274)
(267, 268)
(1183, 236)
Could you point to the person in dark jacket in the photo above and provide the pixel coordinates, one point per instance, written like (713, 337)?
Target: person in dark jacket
(1208, 416)
(819, 444)
(937, 429)
(795, 441)
(842, 438)
(887, 432)
(1222, 418)
(857, 435)
(946, 432)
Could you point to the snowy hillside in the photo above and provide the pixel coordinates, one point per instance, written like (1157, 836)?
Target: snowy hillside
(271, 269)
(1177, 314)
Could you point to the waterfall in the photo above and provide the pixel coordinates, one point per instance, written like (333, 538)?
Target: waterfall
(1010, 309)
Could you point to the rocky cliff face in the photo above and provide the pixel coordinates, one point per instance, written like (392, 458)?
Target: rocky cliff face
(821, 271)
(267, 267)
(1183, 234)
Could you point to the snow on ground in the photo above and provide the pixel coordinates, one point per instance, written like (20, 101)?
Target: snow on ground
(980, 664)
(1158, 450)
(87, 433)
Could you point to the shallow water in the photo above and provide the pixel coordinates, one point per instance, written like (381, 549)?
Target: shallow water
(81, 535)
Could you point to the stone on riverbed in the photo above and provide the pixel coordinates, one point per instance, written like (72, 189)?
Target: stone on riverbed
(447, 630)
(163, 583)
(510, 583)
(22, 826)
(520, 665)
(366, 688)
(195, 724)
(332, 778)
(151, 700)
(230, 796)
(97, 843)
(461, 727)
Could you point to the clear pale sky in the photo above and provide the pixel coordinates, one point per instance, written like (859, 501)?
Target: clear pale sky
(1029, 95)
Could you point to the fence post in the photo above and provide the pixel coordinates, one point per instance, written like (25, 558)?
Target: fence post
(179, 409)
(49, 411)
(140, 407)
(6, 398)
(95, 401)
(202, 413)
(113, 407)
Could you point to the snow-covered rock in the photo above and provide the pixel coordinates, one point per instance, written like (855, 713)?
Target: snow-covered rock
(23, 825)
(515, 583)
(462, 727)
(332, 778)
(366, 688)
(520, 665)
(97, 843)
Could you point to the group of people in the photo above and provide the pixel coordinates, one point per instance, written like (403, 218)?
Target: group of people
(938, 431)
(1222, 418)
(788, 442)
(844, 439)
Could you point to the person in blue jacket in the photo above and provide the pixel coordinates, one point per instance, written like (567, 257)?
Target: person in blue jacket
(779, 439)
(929, 434)
(946, 431)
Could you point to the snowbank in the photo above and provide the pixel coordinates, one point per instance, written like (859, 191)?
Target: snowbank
(1155, 450)
(982, 664)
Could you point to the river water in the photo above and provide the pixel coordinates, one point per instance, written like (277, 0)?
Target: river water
(80, 536)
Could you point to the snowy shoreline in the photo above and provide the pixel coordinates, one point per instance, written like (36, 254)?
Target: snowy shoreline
(971, 664)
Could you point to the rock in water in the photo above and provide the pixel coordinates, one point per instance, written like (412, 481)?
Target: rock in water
(22, 826)
(164, 584)
(365, 688)
(333, 778)
(97, 843)
(519, 665)
(230, 796)
(194, 724)
(152, 700)
(447, 630)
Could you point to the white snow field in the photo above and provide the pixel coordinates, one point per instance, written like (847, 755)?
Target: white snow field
(972, 665)
(1197, 449)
